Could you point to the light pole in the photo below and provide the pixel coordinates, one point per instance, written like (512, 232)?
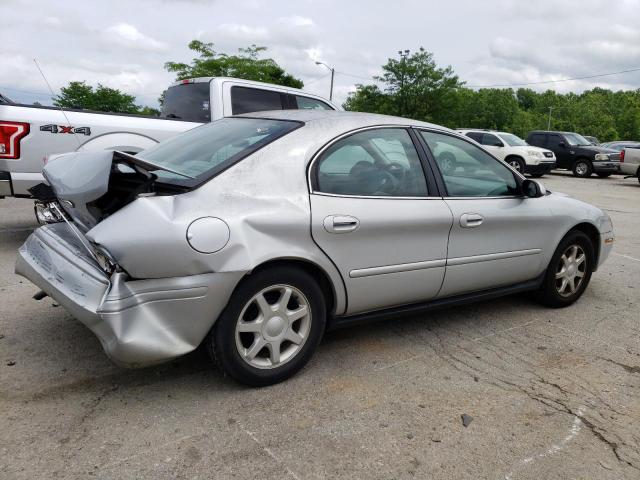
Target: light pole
(549, 121)
(403, 56)
(333, 71)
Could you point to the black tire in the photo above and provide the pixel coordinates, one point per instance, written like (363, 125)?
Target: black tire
(221, 341)
(548, 293)
(516, 163)
(604, 174)
(582, 168)
(537, 175)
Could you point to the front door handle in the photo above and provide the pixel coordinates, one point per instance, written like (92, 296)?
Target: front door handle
(341, 223)
(471, 220)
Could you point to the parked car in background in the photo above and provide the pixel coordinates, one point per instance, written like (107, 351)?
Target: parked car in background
(256, 233)
(592, 140)
(511, 149)
(29, 134)
(620, 145)
(574, 152)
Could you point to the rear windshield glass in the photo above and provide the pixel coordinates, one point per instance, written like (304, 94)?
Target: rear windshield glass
(188, 102)
(207, 150)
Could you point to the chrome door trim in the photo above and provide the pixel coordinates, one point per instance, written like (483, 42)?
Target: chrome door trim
(379, 197)
(492, 256)
(398, 268)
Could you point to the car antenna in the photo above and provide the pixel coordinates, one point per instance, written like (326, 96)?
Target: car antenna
(52, 95)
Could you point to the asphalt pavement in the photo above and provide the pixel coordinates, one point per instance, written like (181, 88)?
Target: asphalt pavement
(545, 393)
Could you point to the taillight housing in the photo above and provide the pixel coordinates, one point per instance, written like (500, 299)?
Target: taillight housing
(10, 135)
(622, 156)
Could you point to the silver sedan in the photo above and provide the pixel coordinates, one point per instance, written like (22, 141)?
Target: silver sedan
(254, 234)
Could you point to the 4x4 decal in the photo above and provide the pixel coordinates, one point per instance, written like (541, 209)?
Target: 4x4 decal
(66, 129)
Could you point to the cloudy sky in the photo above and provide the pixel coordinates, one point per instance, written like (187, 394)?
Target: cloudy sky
(124, 43)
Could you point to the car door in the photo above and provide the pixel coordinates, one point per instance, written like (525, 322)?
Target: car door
(562, 149)
(376, 213)
(498, 236)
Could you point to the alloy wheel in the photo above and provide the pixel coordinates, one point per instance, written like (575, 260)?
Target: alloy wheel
(516, 165)
(273, 326)
(571, 270)
(582, 168)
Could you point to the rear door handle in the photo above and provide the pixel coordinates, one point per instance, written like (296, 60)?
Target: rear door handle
(341, 223)
(471, 220)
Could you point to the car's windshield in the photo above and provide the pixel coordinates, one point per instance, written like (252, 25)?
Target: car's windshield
(206, 150)
(576, 140)
(512, 140)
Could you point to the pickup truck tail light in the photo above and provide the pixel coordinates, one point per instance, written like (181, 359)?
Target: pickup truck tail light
(622, 156)
(10, 135)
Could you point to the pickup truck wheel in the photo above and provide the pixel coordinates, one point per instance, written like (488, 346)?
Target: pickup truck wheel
(271, 327)
(516, 163)
(582, 168)
(569, 271)
(604, 174)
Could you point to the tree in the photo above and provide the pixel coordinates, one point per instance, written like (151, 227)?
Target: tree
(415, 86)
(103, 99)
(246, 64)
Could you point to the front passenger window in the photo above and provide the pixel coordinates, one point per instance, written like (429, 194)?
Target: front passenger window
(379, 162)
(467, 170)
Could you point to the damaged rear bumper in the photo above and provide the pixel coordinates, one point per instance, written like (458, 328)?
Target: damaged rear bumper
(138, 322)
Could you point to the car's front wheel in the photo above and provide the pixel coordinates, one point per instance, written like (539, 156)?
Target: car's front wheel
(582, 168)
(516, 163)
(270, 328)
(569, 271)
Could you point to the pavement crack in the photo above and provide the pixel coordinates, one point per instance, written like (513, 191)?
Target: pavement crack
(627, 368)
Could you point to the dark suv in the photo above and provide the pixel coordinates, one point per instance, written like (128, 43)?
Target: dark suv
(576, 153)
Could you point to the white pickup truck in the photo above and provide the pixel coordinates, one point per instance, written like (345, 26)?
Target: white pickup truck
(30, 134)
(630, 162)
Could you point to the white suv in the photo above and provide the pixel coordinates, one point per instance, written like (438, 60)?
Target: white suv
(513, 150)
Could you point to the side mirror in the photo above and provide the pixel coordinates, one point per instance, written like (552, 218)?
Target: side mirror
(562, 145)
(533, 189)
(498, 145)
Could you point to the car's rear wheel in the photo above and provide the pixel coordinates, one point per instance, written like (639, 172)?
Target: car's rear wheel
(582, 168)
(569, 271)
(537, 175)
(604, 174)
(270, 328)
(516, 163)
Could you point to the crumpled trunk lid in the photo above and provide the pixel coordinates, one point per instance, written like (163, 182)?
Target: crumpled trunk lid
(77, 179)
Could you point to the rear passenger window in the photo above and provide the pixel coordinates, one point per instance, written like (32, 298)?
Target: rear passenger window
(380, 162)
(477, 136)
(247, 100)
(307, 103)
(537, 140)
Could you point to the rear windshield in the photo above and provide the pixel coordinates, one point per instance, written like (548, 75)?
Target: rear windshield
(205, 151)
(188, 102)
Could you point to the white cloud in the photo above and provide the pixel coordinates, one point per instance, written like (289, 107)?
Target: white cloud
(129, 36)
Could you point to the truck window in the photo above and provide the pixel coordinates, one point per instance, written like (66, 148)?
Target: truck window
(537, 139)
(188, 102)
(247, 100)
(307, 103)
(554, 142)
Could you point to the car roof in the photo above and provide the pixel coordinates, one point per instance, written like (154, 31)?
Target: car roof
(351, 119)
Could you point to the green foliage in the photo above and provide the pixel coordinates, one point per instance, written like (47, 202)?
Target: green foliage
(246, 64)
(102, 99)
(416, 88)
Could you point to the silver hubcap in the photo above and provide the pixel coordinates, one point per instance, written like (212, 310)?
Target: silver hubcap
(515, 165)
(571, 270)
(581, 168)
(273, 326)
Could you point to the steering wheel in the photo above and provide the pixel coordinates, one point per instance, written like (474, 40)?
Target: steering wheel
(398, 170)
(387, 183)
